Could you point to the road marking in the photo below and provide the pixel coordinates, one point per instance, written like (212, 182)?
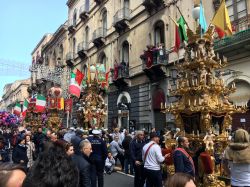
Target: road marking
(125, 174)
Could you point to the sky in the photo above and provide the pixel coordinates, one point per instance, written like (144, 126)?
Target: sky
(23, 23)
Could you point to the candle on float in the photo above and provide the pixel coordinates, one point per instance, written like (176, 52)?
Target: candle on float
(194, 102)
(161, 105)
(198, 133)
(189, 102)
(192, 82)
(165, 105)
(193, 133)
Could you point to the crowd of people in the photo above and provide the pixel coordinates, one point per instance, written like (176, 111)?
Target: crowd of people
(76, 157)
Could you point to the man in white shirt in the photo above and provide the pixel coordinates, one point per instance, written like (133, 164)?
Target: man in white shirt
(152, 158)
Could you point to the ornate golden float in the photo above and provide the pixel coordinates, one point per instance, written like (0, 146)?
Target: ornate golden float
(203, 111)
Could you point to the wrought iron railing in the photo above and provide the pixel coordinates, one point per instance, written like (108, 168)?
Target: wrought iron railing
(153, 56)
(122, 14)
(99, 33)
(240, 36)
(120, 70)
(241, 27)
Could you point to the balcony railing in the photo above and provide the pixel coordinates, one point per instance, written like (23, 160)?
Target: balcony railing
(99, 33)
(153, 56)
(122, 14)
(70, 59)
(120, 70)
(236, 38)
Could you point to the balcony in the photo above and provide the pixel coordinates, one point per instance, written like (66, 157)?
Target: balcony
(153, 4)
(99, 36)
(154, 61)
(84, 12)
(120, 74)
(82, 50)
(98, 1)
(238, 43)
(121, 19)
(72, 26)
(70, 59)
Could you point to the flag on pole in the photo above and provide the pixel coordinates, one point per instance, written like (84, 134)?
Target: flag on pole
(17, 109)
(182, 30)
(88, 78)
(79, 77)
(74, 88)
(40, 103)
(25, 107)
(202, 20)
(222, 21)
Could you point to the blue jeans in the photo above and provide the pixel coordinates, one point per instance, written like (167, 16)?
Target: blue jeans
(128, 165)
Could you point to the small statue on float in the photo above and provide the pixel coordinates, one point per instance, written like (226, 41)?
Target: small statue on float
(209, 140)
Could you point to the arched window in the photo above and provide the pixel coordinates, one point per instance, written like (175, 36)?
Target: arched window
(104, 22)
(54, 58)
(74, 47)
(103, 59)
(125, 52)
(87, 37)
(61, 51)
(159, 33)
(74, 17)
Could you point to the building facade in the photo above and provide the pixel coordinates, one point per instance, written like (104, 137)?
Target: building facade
(15, 92)
(119, 34)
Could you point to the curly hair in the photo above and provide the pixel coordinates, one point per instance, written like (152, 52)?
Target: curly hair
(53, 168)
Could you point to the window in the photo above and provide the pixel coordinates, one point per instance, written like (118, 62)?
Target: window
(60, 54)
(74, 17)
(237, 11)
(87, 5)
(104, 22)
(125, 52)
(54, 58)
(159, 33)
(87, 36)
(126, 4)
(74, 47)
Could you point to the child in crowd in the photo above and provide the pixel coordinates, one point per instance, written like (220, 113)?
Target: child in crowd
(109, 163)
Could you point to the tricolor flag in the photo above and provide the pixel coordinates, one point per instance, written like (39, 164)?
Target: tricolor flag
(25, 107)
(180, 33)
(40, 103)
(222, 21)
(17, 109)
(74, 88)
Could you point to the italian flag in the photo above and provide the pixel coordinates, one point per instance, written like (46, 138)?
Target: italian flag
(17, 109)
(74, 87)
(180, 33)
(25, 107)
(40, 103)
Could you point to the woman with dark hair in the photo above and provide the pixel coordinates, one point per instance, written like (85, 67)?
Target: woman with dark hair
(11, 175)
(180, 180)
(53, 168)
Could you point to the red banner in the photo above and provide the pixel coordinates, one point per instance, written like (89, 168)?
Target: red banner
(68, 103)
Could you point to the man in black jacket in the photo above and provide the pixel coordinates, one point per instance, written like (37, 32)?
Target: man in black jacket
(136, 155)
(83, 163)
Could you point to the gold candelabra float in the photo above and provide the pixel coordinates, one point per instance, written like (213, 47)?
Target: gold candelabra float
(203, 110)
(93, 106)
